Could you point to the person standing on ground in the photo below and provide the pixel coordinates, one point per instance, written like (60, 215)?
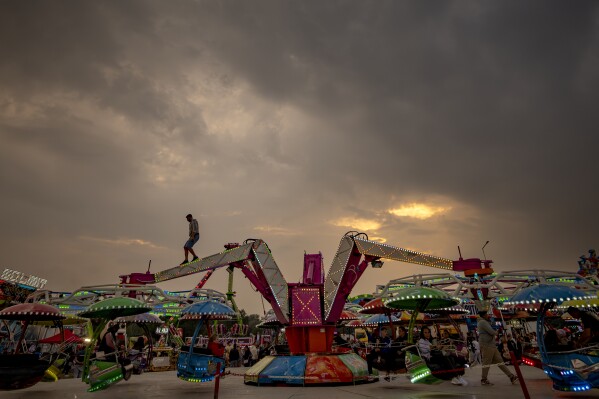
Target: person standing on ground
(194, 236)
(253, 354)
(474, 348)
(489, 350)
(234, 356)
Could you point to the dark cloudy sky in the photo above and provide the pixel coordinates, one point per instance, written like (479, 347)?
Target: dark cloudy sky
(427, 125)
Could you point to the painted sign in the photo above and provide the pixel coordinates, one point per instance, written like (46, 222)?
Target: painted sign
(14, 276)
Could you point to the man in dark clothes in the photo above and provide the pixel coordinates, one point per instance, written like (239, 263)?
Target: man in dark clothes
(590, 323)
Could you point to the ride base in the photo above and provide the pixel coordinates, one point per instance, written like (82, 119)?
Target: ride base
(310, 369)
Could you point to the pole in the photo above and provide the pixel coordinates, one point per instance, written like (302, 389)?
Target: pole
(519, 374)
(217, 381)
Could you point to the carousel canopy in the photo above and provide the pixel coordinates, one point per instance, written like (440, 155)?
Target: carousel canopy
(115, 307)
(580, 303)
(143, 318)
(31, 312)
(270, 321)
(457, 310)
(531, 298)
(376, 306)
(69, 337)
(354, 324)
(379, 319)
(420, 299)
(348, 315)
(208, 310)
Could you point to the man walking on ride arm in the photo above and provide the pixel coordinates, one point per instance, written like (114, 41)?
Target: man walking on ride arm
(489, 350)
(194, 236)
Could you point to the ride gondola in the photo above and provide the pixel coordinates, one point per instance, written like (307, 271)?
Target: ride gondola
(107, 369)
(420, 299)
(18, 367)
(570, 370)
(201, 364)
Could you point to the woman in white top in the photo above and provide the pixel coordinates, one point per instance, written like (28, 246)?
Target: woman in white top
(438, 362)
(424, 343)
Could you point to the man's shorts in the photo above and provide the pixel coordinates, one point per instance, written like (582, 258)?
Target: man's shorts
(190, 242)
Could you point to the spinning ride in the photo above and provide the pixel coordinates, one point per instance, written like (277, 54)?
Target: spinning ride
(108, 368)
(141, 358)
(202, 364)
(309, 310)
(420, 299)
(18, 368)
(574, 370)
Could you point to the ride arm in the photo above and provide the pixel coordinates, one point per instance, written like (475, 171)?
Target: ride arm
(348, 266)
(231, 296)
(204, 279)
(253, 258)
(215, 261)
(262, 271)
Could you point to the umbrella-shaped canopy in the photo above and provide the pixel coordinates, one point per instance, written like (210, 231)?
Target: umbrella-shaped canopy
(420, 299)
(348, 315)
(207, 310)
(143, 318)
(354, 324)
(376, 306)
(270, 321)
(531, 298)
(69, 337)
(457, 310)
(378, 319)
(580, 303)
(31, 312)
(353, 307)
(112, 308)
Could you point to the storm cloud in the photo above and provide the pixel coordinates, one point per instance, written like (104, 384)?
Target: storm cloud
(294, 122)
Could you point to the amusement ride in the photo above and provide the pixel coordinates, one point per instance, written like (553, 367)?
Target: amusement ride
(310, 311)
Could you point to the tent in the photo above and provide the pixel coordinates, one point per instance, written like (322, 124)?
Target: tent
(69, 337)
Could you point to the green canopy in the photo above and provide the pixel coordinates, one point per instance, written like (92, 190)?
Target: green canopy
(115, 307)
(421, 299)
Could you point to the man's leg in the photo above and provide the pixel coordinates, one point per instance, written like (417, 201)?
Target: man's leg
(487, 353)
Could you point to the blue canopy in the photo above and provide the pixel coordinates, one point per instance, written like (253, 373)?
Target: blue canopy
(378, 319)
(547, 293)
(208, 310)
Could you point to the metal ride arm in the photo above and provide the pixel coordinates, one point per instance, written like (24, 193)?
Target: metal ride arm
(253, 258)
(204, 279)
(231, 296)
(352, 258)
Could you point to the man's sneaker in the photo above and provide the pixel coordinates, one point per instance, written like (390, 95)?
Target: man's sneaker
(184, 262)
(463, 380)
(486, 382)
(456, 381)
(195, 258)
(514, 379)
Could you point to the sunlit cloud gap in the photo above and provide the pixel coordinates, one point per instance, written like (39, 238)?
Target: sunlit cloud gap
(122, 241)
(357, 223)
(418, 211)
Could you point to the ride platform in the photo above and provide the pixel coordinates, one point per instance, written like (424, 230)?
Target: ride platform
(310, 369)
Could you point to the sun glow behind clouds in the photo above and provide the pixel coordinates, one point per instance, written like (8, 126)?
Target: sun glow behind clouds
(418, 211)
(357, 223)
